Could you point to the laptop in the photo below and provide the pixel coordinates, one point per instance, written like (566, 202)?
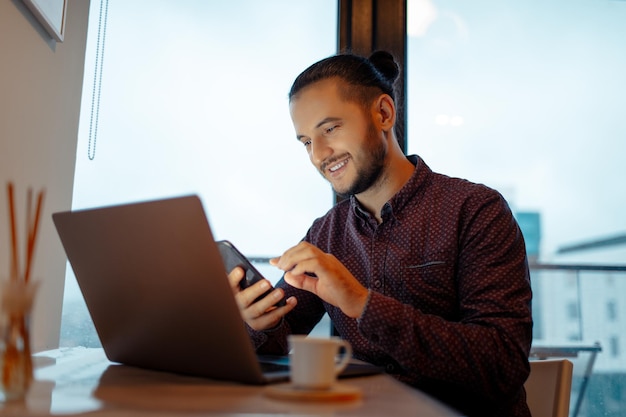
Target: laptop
(157, 291)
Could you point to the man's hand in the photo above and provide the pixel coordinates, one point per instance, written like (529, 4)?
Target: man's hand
(263, 314)
(308, 268)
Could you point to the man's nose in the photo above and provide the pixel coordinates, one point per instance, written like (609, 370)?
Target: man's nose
(319, 151)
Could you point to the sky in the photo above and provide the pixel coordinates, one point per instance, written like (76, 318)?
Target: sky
(183, 112)
(523, 96)
(527, 97)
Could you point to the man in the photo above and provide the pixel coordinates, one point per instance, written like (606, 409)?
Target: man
(424, 274)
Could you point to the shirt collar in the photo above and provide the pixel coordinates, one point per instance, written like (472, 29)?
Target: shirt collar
(395, 205)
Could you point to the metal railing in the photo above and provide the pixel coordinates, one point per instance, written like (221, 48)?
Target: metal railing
(571, 312)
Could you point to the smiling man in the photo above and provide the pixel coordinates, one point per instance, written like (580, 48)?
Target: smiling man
(423, 274)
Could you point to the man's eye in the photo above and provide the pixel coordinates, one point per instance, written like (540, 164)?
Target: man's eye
(330, 129)
(306, 143)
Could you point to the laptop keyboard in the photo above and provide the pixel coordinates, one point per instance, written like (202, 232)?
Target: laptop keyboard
(270, 367)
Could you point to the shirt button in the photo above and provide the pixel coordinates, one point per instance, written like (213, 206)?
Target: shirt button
(390, 367)
(377, 283)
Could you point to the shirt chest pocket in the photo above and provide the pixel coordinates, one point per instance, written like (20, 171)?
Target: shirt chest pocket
(430, 286)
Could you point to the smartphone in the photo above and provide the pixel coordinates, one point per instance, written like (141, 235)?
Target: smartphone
(233, 258)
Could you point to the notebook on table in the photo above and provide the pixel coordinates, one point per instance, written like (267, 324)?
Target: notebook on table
(157, 291)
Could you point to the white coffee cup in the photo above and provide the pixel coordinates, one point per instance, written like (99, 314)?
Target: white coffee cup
(314, 361)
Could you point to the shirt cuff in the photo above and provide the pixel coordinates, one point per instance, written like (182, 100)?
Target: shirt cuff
(375, 324)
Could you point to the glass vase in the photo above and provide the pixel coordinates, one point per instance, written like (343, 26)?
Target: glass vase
(16, 366)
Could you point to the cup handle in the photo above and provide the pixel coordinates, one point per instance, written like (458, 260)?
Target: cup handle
(345, 359)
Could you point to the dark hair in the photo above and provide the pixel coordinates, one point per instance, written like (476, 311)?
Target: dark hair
(365, 78)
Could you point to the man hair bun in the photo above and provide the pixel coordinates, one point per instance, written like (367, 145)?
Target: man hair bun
(386, 64)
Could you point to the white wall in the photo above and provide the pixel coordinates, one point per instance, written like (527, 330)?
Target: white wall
(40, 91)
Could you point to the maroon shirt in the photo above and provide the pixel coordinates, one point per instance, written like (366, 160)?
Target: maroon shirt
(449, 308)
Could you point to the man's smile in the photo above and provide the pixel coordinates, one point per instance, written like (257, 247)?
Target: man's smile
(336, 166)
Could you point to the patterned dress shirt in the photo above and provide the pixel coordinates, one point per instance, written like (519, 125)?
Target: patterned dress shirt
(449, 308)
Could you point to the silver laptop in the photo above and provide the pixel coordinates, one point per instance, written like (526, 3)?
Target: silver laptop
(157, 291)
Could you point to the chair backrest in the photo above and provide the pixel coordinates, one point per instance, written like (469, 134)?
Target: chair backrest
(548, 387)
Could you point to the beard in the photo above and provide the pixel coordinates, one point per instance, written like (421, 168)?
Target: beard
(372, 163)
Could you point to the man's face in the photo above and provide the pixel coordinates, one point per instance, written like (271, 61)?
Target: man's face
(340, 137)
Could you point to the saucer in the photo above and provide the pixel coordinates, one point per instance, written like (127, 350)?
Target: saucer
(338, 392)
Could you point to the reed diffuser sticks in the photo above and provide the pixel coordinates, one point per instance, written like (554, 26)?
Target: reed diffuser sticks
(32, 227)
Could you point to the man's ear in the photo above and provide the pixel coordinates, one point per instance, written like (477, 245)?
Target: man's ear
(384, 112)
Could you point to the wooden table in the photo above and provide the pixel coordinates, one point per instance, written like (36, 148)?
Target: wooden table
(80, 381)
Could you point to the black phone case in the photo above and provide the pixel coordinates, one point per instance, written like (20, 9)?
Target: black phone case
(232, 258)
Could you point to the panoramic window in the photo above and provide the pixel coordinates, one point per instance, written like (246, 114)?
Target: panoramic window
(190, 97)
(527, 97)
